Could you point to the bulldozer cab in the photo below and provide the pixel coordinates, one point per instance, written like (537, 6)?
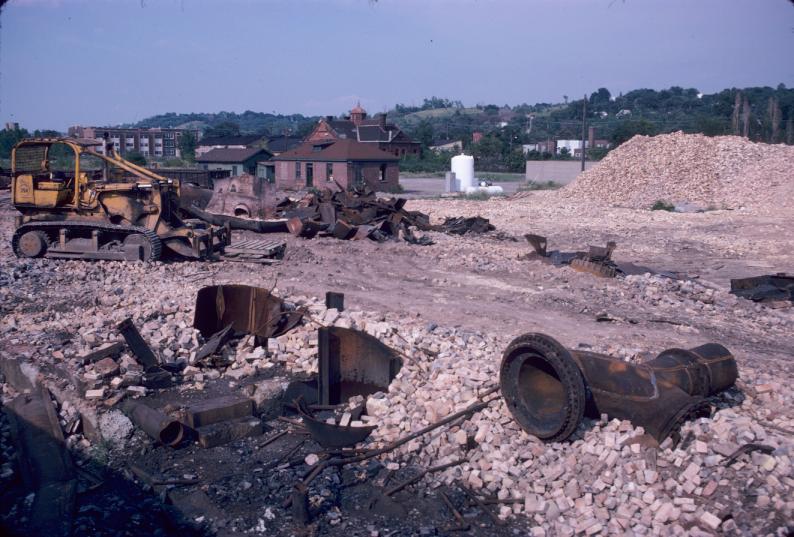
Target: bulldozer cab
(49, 173)
(60, 172)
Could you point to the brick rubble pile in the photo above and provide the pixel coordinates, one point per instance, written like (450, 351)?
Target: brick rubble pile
(690, 170)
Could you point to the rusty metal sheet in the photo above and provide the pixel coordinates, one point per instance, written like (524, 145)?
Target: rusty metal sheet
(353, 363)
(249, 310)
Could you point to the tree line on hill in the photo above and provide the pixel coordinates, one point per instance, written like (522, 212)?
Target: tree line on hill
(762, 114)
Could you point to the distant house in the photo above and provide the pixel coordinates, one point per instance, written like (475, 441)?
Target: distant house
(279, 144)
(238, 161)
(593, 142)
(547, 146)
(447, 145)
(246, 141)
(574, 147)
(331, 164)
(373, 131)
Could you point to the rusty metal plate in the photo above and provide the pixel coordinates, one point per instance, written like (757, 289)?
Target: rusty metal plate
(249, 310)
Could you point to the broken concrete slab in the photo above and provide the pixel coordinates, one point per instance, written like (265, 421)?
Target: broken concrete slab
(218, 409)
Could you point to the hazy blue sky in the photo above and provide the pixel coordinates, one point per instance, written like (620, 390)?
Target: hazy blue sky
(103, 62)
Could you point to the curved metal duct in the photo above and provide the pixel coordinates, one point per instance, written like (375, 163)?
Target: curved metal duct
(549, 388)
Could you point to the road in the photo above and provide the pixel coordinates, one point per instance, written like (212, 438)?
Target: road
(426, 187)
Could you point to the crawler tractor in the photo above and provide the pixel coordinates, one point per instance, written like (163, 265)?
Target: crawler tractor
(77, 202)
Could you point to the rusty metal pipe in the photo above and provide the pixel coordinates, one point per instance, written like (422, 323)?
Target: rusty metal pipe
(549, 388)
(165, 430)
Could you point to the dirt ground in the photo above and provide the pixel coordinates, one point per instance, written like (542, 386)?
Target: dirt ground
(479, 283)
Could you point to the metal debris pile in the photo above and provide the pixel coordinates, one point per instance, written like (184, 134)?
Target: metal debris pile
(774, 290)
(691, 172)
(360, 214)
(597, 260)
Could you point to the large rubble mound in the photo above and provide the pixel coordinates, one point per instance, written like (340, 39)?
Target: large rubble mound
(690, 170)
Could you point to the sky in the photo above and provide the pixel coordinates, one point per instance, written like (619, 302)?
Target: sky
(106, 62)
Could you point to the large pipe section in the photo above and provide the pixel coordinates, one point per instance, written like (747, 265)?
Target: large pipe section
(549, 388)
(165, 430)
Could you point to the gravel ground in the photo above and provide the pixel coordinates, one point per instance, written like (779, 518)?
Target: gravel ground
(463, 299)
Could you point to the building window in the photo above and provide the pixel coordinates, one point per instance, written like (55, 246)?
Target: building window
(382, 172)
(235, 168)
(329, 171)
(297, 171)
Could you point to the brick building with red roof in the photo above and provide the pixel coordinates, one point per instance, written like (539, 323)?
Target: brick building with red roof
(374, 131)
(333, 163)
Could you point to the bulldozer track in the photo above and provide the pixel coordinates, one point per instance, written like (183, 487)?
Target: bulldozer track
(49, 227)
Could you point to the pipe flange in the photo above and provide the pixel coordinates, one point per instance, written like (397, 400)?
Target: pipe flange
(542, 386)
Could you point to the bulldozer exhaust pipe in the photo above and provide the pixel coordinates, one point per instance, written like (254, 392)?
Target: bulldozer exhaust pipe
(549, 388)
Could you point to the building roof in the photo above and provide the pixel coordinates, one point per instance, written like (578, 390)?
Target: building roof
(231, 155)
(373, 133)
(343, 127)
(231, 140)
(283, 143)
(336, 151)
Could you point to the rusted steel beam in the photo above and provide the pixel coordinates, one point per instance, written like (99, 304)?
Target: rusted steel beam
(137, 345)
(397, 488)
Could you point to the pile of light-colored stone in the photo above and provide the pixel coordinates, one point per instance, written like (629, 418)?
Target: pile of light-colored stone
(690, 170)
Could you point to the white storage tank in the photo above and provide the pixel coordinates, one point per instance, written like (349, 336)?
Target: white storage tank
(463, 168)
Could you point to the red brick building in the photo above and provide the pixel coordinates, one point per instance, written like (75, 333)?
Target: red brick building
(323, 164)
(372, 131)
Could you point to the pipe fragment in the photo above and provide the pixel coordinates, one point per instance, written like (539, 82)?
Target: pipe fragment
(549, 388)
(165, 430)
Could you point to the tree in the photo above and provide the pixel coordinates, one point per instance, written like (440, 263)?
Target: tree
(224, 128)
(488, 147)
(600, 97)
(9, 138)
(136, 158)
(424, 133)
(630, 128)
(187, 146)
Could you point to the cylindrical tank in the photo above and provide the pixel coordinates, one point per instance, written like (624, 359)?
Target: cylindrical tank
(463, 167)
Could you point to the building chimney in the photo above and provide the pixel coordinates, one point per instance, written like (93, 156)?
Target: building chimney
(382, 120)
(357, 114)
(590, 137)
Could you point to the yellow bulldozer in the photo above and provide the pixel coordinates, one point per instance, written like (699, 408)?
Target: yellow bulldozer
(77, 202)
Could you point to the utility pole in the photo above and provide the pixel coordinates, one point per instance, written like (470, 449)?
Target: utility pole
(584, 127)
